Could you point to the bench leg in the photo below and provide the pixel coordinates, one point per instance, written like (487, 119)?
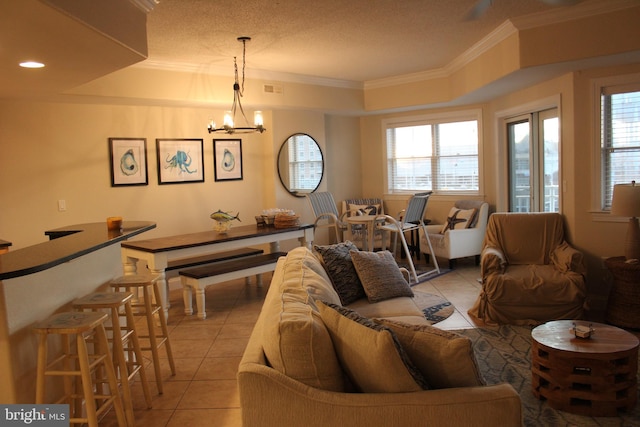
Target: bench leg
(202, 314)
(259, 280)
(186, 297)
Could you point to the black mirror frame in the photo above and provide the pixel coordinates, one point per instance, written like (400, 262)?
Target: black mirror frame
(295, 193)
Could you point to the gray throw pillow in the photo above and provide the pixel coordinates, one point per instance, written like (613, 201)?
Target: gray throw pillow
(339, 267)
(380, 275)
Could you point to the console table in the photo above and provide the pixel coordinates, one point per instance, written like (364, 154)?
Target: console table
(594, 376)
(159, 251)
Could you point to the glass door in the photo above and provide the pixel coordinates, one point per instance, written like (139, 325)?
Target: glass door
(534, 162)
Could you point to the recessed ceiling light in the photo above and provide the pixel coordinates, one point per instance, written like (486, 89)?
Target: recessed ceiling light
(31, 64)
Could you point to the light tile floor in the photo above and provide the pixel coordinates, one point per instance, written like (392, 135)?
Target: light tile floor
(207, 352)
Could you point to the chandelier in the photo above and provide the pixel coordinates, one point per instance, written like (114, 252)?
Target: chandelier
(230, 116)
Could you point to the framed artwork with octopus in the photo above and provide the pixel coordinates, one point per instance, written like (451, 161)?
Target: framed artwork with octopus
(128, 158)
(180, 161)
(227, 158)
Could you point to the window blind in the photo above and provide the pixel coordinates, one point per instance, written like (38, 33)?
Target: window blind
(436, 156)
(620, 138)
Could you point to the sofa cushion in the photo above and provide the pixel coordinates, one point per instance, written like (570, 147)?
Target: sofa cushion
(339, 267)
(401, 308)
(459, 219)
(380, 276)
(446, 359)
(295, 339)
(370, 354)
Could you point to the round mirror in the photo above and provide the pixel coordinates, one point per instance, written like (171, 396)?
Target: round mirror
(300, 164)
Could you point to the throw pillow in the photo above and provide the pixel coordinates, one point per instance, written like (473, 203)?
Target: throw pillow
(380, 276)
(369, 353)
(459, 219)
(339, 267)
(445, 358)
(363, 209)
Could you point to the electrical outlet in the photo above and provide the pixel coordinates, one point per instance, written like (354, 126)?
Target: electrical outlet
(62, 205)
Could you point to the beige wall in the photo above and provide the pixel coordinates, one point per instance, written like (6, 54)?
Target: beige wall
(59, 151)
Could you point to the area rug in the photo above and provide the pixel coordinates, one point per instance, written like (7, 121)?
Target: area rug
(431, 276)
(503, 355)
(435, 308)
(420, 272)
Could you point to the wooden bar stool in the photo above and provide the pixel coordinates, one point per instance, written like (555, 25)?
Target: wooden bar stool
(127, 353)
(148, 307)
(81, 365)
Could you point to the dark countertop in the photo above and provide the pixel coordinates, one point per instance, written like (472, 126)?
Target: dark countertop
(182, 241)
(69, 243)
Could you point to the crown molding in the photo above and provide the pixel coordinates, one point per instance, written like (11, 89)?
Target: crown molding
(220, 70)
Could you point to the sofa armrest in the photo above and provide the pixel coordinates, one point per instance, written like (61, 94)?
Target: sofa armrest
(492, 260)
(269, 398)
(566, 258)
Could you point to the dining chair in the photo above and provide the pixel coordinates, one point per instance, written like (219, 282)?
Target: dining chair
(412, 218)
(326, 212)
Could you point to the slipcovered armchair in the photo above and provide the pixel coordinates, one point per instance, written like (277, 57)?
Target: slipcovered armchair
(530, 274)
(461, 236)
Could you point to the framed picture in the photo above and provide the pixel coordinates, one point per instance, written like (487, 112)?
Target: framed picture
(180, 161)
(227, 159)
(128, 158)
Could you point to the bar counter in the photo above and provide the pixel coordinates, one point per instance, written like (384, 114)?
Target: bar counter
(45, 278)
(78, 240)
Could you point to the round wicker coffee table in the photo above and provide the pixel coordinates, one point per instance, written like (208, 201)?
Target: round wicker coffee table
(594, 376)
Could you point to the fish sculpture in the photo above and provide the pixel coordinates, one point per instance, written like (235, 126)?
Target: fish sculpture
(224, 216)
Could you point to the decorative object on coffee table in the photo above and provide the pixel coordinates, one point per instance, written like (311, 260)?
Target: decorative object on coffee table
(623, 307)
(595, 377)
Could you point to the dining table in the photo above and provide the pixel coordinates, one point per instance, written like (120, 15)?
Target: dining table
(158, 252)
(369, 223)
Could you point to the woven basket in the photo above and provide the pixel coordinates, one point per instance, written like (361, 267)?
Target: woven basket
(623, 308)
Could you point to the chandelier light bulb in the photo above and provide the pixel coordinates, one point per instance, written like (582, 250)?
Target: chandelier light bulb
(228, 119)
(258, 120)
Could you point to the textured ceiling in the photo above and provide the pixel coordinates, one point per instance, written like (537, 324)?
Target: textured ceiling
(360, 42)
(355, 40)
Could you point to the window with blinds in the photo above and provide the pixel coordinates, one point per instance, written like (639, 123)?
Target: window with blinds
(440, 155)
(620, 138)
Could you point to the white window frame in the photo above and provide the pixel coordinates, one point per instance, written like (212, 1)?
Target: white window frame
(501, 118)
(432, 119)
(630, 83)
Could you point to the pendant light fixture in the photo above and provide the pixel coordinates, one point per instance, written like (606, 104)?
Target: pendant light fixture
(229, 123)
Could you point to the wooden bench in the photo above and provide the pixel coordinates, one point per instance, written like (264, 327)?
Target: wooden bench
(200, 277)
(179, 264)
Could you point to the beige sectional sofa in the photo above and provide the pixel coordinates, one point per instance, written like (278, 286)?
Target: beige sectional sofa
(309, 363)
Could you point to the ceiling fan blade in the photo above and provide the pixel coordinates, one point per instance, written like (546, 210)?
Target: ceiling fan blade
(478, 10)
(561, 2)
